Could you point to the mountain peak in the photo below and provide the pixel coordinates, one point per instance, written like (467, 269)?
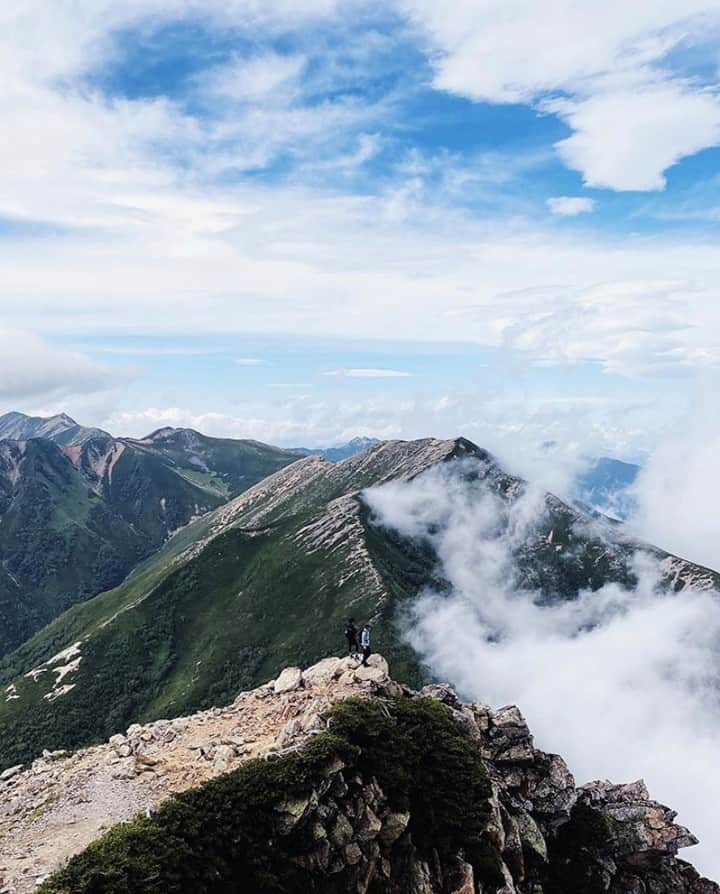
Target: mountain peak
(61, 428)
(159, 434)
(62, 418)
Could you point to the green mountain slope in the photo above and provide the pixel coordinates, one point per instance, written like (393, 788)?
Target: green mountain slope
(76, 518)
(266, 581)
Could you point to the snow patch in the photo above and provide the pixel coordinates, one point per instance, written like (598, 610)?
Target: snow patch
(59, 692)
(35, 673)
(66, 655)
(66, 669)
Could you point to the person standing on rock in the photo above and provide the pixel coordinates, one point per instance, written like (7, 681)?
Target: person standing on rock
(351, 634)
(365, 644)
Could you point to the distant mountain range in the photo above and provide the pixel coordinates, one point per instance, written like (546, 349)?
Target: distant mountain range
(341, 451)
(606, 485)
(267, 580)
(79, 509)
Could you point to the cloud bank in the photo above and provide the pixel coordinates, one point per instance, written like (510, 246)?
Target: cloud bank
(146, 212)
(33, 372)
(624, 684)
(678, 489)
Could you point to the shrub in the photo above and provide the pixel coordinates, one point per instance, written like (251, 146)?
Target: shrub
(220, 837)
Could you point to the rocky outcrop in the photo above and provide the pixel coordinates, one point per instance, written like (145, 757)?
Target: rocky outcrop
(542, 834)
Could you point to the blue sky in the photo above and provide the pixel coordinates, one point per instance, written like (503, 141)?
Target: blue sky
(300, 222)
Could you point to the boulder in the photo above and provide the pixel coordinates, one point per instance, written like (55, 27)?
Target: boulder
(10, 772)
(289, 680)
(378, 661)
(442, 692)
(287, 735)
(341, 832)
(353, 854)
(322, 673)
(643, 830)
(293, 811)
(394, 825)
(348, 677)
(369, 826)
(370, 674)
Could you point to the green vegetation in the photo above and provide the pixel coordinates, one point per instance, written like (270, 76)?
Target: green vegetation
(426, 765)
(578, 851)
(222, 837)
(73, 524)
(204, 619)
(176, 638)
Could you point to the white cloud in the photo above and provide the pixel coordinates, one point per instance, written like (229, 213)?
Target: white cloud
(678, 490)
(626, 139)
(570, 206)
(289, 431)
(632, 119)
(152, 236)
(544, 441)
(152, 350)
(641, 329)
(249, 361)
(361, 373)
(33, 372)
(496, 52)
(258, 78)
(622, 683)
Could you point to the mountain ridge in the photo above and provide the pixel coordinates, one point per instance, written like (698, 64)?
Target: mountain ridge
(266, 578)
(78, 514)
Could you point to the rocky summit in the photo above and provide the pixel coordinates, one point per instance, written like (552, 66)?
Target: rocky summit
(360, 817)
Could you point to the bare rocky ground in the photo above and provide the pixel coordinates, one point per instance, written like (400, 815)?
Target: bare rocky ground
(55, 808)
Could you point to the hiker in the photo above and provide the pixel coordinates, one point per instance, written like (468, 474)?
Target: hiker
(365, 643)
(351, 635)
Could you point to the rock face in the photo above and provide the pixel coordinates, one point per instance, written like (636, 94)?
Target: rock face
(544, 835)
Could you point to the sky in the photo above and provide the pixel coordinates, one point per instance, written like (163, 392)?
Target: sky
(302, 222)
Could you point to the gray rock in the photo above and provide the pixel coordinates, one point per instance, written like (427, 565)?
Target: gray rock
(393, 826)
(292, 811)
(289, 680)
(322, 673)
